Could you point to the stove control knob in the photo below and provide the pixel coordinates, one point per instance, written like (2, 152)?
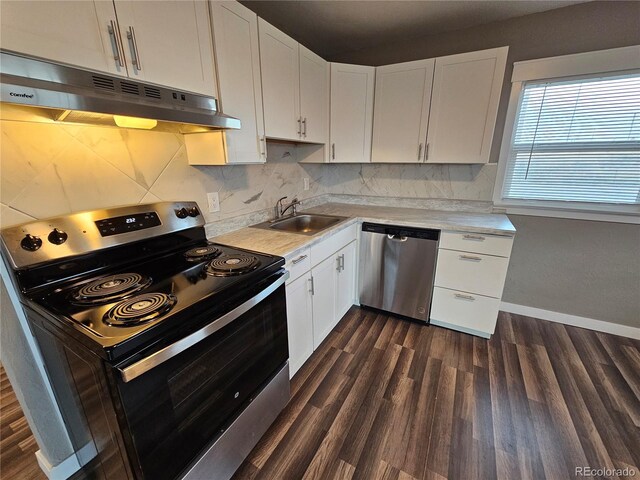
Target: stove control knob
(57, 237)
(182, 213)
(31, 243)
(194, 212)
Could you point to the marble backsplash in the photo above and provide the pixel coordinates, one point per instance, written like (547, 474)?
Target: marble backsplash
(54, 169)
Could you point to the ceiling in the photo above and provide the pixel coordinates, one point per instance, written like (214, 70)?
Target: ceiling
(334, 27)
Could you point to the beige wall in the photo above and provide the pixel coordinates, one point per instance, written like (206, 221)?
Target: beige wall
(589, 269)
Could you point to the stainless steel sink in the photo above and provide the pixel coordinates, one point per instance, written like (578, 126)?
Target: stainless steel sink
(304, 224)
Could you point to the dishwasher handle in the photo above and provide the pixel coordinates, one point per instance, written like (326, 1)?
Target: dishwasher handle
(397, 233)
(397, 238)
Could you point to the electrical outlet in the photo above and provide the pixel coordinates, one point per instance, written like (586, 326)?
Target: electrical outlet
(305, 181)
(214, 202)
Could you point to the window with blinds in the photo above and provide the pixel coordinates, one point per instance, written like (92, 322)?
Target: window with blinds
(577, 141)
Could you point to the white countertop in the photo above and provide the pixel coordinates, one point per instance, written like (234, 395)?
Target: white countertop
(289, 244)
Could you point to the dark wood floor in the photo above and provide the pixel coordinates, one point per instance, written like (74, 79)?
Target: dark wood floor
(17, 445)
(384, 398)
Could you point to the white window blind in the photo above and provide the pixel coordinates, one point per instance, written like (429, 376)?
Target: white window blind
(577, 141)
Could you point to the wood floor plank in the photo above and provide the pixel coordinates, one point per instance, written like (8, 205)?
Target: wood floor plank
(386, 398)
(417, 402)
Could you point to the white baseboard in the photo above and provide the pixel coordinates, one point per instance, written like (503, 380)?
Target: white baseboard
(62, 471)
(574, 320)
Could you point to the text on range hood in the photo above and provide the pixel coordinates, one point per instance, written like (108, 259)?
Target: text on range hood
(40, 90)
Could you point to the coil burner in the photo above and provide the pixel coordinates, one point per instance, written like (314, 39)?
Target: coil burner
(201, 253)
(229, 265)
(110, 288)
(139, 309)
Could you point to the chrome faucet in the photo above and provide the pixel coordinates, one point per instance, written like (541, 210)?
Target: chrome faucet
(281, 209)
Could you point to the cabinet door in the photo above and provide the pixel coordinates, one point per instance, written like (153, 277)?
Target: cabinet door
(345, 280)
(168, 43)
(314, 96)
(280, 83)
(235, 33)
(299, 322)
(351, 113)
(464, 105)
(401, 112)
(70, 32)
(324, 288)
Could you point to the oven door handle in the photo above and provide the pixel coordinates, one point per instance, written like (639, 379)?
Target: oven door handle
(142, 366)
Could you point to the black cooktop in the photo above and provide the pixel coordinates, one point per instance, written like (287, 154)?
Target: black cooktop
(136, 303)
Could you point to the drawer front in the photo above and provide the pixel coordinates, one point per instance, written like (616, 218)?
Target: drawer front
(477, 243)
(469, 313)
(331, 245)
(471, 272)
(298, 265)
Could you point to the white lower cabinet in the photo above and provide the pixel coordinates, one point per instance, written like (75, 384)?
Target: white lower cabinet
(324, 299)
(299, 321)
(470, 275)
(345, 279)
(318, 298)
(475, 314)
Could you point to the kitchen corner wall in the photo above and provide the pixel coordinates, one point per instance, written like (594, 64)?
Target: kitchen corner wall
(54, 169)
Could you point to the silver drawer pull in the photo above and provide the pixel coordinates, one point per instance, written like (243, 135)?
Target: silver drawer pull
(299, 259)
(478, 238)
(464, 297)
(469, 257)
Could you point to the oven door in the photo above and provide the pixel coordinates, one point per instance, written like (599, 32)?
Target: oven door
(179, 399)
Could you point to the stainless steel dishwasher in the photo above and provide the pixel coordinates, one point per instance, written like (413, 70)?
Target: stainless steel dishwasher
(397, 269)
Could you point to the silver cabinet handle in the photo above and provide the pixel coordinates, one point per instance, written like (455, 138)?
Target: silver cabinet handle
(333, 151)
(115, 38)
(419, 152)
(166, 353)
(131, 35)
(470, 257)
(478, 238)
(338, 262)
(263, 146)
(342, 261)
(304, 125)
(299, 259)
(299, 126)
(312, 286)
(426, 152)
(464, 297)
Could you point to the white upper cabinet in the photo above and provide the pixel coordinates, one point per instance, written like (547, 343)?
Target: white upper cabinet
(351, 123)
(314, 96)
(235, 31)
(168, 43)
(295, 88)
(77, 33)
(280, 83)
(402, 97)
(464, 104)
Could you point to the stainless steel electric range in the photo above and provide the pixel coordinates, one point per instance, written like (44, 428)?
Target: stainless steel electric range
(167, 354)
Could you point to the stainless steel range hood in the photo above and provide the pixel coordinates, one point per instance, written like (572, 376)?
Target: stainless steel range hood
(39, 90)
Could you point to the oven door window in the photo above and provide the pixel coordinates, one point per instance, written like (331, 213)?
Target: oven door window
(175, 410)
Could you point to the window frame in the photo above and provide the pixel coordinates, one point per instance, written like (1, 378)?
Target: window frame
(613, 62)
